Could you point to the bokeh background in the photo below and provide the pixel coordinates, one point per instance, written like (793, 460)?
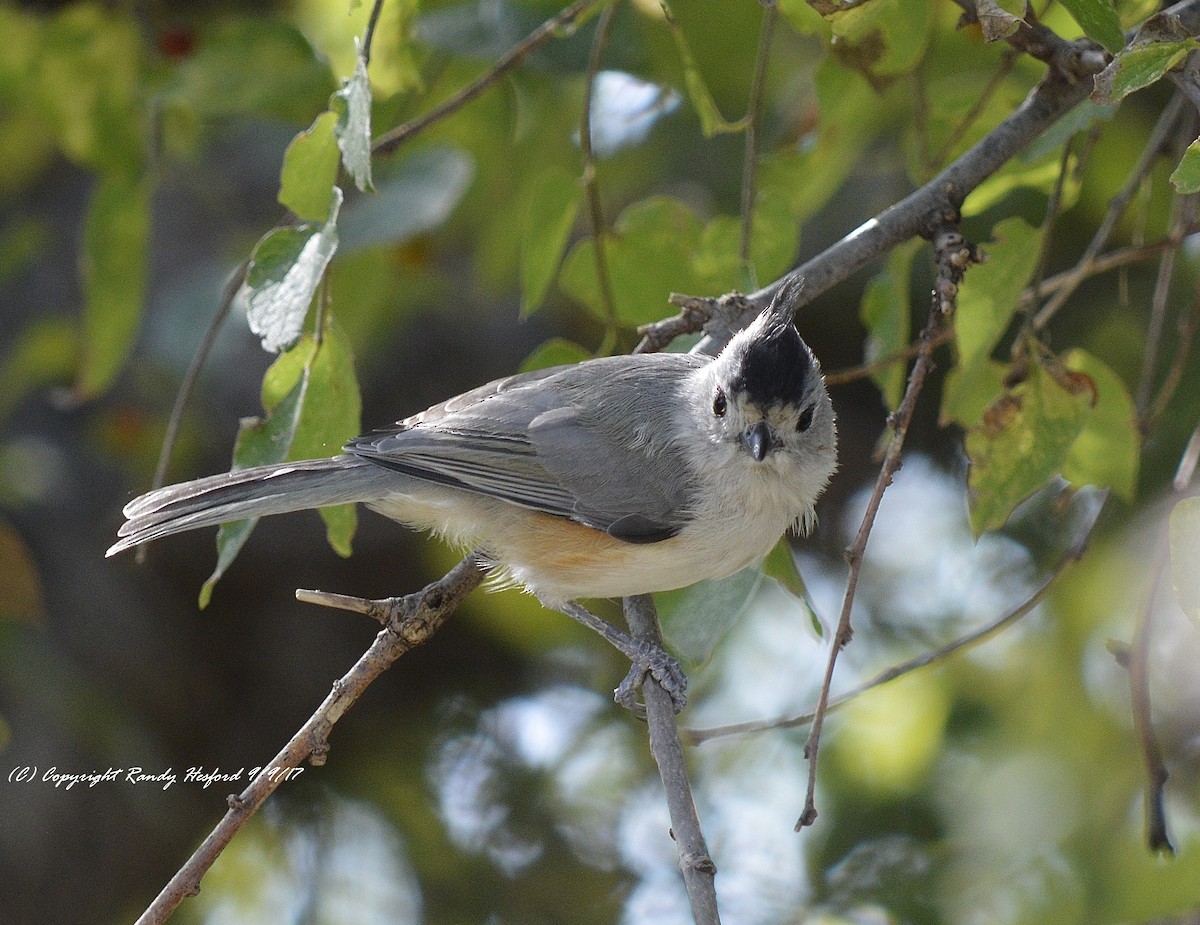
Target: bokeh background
(487, 777)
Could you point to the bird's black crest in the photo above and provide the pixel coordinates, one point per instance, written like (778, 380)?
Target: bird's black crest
(774, 367)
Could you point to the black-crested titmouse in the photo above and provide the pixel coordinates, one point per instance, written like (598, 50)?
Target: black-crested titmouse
(613, 477)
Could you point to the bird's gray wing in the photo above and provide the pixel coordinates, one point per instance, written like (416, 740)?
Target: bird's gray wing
(586, 442)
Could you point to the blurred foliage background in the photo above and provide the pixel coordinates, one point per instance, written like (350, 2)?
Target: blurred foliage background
(487, 777)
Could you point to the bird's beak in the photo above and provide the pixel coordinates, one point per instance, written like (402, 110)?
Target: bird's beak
(757, 440)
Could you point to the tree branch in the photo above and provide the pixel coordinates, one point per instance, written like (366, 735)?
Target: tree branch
(408, 621)
(694, 860)
(696, 313)
(939, 200)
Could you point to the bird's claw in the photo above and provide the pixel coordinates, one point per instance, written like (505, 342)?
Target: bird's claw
(651, 660)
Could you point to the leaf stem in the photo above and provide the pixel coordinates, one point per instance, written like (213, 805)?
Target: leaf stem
(369, 32)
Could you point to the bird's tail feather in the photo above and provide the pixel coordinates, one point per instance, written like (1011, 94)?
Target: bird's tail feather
(255, 492)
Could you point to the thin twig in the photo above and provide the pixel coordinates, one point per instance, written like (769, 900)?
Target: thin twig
(963, 643)
(188, 385)
(695, 314)
(1116, 209)
(863, 370)
(753, 129)
(1183, 349)
(1187, 463)
(390, 141)
(1006, 65)
(1053, 209)
(1114, 259)
(828, 7)
(953, 256)
(1155, 327)
(854, 555)
(408, 621)
(694, 860)
(592, 183)
(1183, 215)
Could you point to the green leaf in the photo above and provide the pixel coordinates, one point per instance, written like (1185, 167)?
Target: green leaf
(991, 292)
(284, 272)
(887, 312)
(774, 239)
(330, 417)
(115, 240)
(310, 166)
(780, 567)
(711, 121)
(413, 196)
(21, 586)
(884, 38)
(1021, 174)
(1139, 66)
(22, 242)
(259, 67)
(851, 113)
(260, 442)
(649, 257)
(88, 82)
(1186, 177)
(696, 619)
(332, 409)
(1184, 532)
(1022, 443)
(968, 393)
(803, 18)
(44, 352)
(397, 66)
(717, 262)
(551, 204)
(1086, 116)
(352, 104)
(555, 352)
(311, 398)
(1098, 19)
(1107, 450)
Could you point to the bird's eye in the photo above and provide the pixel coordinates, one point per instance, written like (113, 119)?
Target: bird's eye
(805, 420)
(720, 403)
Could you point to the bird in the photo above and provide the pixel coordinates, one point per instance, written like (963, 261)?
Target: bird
(612, 477)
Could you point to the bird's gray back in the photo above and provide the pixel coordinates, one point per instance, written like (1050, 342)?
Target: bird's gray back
(591, 442)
